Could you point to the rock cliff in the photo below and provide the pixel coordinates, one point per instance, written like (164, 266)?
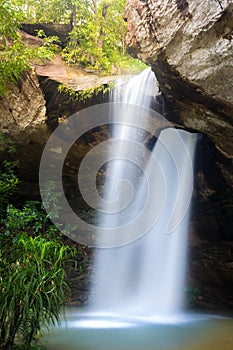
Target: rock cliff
(23, 118)
(34, 107)
(189, 45)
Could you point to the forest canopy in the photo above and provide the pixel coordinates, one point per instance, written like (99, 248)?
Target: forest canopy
(96, 38)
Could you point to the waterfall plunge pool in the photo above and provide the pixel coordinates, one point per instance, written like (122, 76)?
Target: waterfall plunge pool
(146, 277)
(81, 330)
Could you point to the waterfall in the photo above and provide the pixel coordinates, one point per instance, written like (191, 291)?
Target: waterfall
(145, 276)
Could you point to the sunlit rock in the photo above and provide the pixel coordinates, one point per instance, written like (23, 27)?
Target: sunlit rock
(189, 45)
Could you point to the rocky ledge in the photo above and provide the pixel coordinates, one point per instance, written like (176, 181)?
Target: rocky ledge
(34, 106)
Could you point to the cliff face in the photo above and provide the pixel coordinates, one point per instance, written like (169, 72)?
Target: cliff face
(23, 118)
(189, 45)
(34, 107)
(24, 107)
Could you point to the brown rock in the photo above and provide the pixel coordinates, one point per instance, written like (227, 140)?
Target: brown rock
(23, 118)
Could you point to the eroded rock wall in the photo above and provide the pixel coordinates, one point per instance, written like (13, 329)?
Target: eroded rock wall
(23, 109)
(23, 119)
(189, 45)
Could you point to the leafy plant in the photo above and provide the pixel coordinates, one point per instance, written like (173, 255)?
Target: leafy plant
(15, 56)
(8, 180)
(85, 94)
(32, 269)
(31, 219)
(32, 286)
(33, 289)
(50, 42)
(51, 200)
(97, 41)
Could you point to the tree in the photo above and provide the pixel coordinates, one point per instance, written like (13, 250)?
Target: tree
(57, 11)
(97, 36)
(15, 57)
(96, 40)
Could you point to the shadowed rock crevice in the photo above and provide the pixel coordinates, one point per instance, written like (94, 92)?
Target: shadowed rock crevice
(183, 7)
(50, 29)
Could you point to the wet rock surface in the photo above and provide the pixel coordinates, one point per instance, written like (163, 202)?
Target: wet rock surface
(210, 269)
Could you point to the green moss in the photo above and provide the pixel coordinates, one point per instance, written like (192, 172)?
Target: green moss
(86, 94)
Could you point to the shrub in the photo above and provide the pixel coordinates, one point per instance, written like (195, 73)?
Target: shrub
(32, 261)
(8, 179)
(32, 286)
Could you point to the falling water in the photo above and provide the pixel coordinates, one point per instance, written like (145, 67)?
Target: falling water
(146, 276)
(138, 283)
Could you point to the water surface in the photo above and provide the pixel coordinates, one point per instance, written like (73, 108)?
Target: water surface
(82, 331)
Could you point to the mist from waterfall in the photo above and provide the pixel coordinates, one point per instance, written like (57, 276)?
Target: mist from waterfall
(146, 276)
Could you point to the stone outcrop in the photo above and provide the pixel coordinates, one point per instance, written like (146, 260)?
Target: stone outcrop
(23, 118)
(189, 45)
(50, 29)
(34, 107)
(24, 107)
(210, 271)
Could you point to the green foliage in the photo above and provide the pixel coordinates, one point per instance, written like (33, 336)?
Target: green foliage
(8, 179)
(50, 200)
(10, 60)
(127, 65)
(45, 11)
(97, 40)
(8, 186)
(32, 282)
(84, 94)
(32, 286)
(50, 42)
(15, 57)
(10, 18)
(33, 289)
(31, 219)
